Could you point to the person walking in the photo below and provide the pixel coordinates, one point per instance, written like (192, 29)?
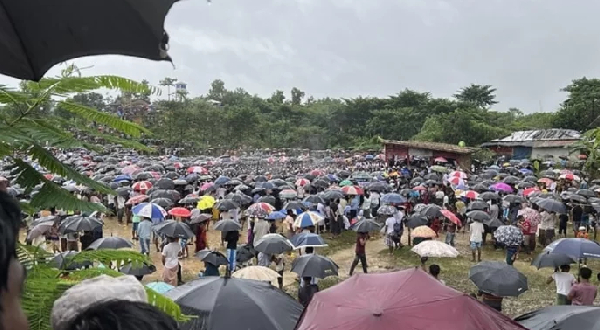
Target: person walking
(170, 259)
(144, 234)
(360, 251)
(564, 282)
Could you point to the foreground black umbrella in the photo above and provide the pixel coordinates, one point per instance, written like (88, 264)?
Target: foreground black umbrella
(64, 261)
(366, 226)
(171, 228)
(138, 269)
(235, 304)
(498, 279)
(215, 258)
(416, 220)
(244, 253)
(72, 29)
(548, 259)
(561, 317)
(313, 265)
(109, 243)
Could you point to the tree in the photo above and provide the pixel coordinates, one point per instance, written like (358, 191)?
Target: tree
(481, 96)
(277, 97)
(581, 109)
(217, 90)
(169, 82)
(297, 96)
(589, 145)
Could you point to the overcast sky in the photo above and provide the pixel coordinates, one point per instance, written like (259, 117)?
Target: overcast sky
(527, 49)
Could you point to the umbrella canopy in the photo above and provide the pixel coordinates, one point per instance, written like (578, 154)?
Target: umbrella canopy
(498, 279)
(227, 225)
(259, 273)
(431, 211)
(160, 287)
(273, 244)
(387, 210)
(509, 235)
(207, 202)
(307, 219)
(313, 265)
(198, 217)
(548, 259)
(423, 232)
(221, 303)
(416, 220)
(561, 317)
(435, 249)
(365, 226)
(149, 210)
(138, 270)
(110, 243)
(478, 215)
(552, 205)
(171, 228)
(384, 301)
(215, 258)
(576, 248)
(307, 239)
(64, 261)
(260, 209)
(78, 223)
(392, 198)
(180, 212)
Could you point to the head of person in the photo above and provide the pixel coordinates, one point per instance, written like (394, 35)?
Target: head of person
(290, 212)
(585, 273)
(123, 315)
(309, 249)
(567, 268)
(582, 228)
(306, 280)
(12, 273)
(435, 270)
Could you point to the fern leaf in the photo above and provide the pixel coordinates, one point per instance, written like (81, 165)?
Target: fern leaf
(167, 306)
(113, 139)
(108, 256)
(51, 195)
(103, 118)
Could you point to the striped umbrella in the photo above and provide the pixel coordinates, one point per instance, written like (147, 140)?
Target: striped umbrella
(307, 219)
(260, 210)
(149, 210)
(352, 191)
(142, 186)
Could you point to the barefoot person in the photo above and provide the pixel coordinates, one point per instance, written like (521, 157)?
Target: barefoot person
(476, 239)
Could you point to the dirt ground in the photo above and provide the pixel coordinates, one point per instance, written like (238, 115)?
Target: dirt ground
(341, 250)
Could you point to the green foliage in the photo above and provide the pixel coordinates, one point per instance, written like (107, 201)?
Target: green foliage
(581, 109)
(481, 96)
(589, 145)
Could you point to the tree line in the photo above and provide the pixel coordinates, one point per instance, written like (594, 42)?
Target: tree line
(232, 118)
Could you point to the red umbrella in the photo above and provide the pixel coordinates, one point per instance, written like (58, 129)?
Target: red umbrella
(180, 212)
(137, 199)
(352, 191)
(142, 186)
(409, 300)
(452, 217)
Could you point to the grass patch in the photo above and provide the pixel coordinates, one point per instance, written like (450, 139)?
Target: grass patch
(344, 241)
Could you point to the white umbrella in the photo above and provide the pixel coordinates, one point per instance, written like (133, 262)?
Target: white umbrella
(259, 273)
(435, 249)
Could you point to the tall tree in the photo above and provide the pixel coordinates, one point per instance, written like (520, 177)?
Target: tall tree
(297, 96)
(168, 82)
(581, 110)
(217, 90)
(481, 96)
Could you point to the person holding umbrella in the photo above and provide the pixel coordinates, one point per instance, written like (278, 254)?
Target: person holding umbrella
(361, 252)
(144, 234)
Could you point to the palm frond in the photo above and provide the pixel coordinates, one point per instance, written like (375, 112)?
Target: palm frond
(113, 139)
(167, 306)
(86, 274)
(78, 84)
(11, 96)
(38, 300)
(108, 256)
(51, 195)
(107, 119)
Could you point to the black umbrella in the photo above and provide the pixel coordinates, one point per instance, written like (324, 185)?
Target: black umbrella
(561, 317)
(478, 205)
(226, 205)
(416, 220)
(514, 199)
(65, 261)
(171, 228)
(163, 202)
(189, 200)
(215, 258)
(198, 217)
(314, 199)
(227, 225)
(365, 226)
(273, 244)
(239, 198)
(138, 269)
(78, 223)
(165, 183)
(548, 259)
(165, 193)
(498, 279)
(294, 206)
(552, 205)
(123, 192)
(109, 243)
(221, 303)
(431, 211)
(489, 195)
(313, 265)
(478, 215)
(244, 253)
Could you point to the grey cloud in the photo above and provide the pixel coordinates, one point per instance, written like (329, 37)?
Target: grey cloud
(527, 49)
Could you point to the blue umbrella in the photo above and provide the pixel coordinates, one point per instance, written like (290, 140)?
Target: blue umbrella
(393, 198)
(276, 215)
(307, 219)
(122, 177)
(149, 210)
(222, 179)
(307, 239)
(576, 248)
(160, 287)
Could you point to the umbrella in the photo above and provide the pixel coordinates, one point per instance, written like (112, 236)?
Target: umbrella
(221, 303)
(314, 199)
(189, 200)
(435, 249)
(288, 193)
(423, 232)
(431, 211)
(267, 200)
(215, 258)
(313, 265)
(277, 215)
(478, 215)
(352, 191)
(149, 210)
(547, 259)
(224, 205)
(307, 219)
(514, 199)
(112, 243)
(239, 198)
(489, 195)
(392, 198)
(198, 217)
(416, 220)
(30, 50)
(307, 239)
(64, 261)
(163, 202)
(509, 235)
(387, 210)
(207, 202)
(137, 199)
(498, 279)
(260, 210)
(227, 225)
(259, 273)
(40, 229)
(576, 248)
(160, 287)
(244, 253)
(561, 317)
(78, 223)
(141, 186)
(138, 270)
(221, 180)
(365, 226)
(332, 194)
(181, 212)
(552, 205)
(501, 186)
(171, 228)
(165, 183)
(452, 217)
(273, 244)
(294, 206)
(408, 299)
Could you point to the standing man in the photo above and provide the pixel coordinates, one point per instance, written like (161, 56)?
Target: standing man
(232, 238)
(361, 252)
(144, 234)
(476, 239)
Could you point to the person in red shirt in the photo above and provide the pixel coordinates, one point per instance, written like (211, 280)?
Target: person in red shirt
(528, 233)
(201, 239)
(361, 253)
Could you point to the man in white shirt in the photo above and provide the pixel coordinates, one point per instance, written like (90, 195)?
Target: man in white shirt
(170, 259)
(546, 228)
(392, 238)
(120, 209)
(476, 239)
(564, 281)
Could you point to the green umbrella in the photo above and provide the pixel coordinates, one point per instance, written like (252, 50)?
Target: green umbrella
(346, 183)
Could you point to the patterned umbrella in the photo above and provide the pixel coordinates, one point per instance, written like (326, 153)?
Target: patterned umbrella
(435, 249)
(137, 199)
(307, 219)
(149, 210)
(509, 235)
(142, 186)
(258, 273)
(352, 191)
(288, 193)
(471, 194)
(387, 210)
(302, 182)
(423, 232)
(260, 210)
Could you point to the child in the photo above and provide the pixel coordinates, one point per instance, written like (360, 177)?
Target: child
(582, 233)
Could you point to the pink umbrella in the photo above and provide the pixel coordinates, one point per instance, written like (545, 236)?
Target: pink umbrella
(206, 186)
(128, 170)
(501, 186)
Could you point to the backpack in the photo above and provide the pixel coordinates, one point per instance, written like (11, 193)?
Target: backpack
(397, 228)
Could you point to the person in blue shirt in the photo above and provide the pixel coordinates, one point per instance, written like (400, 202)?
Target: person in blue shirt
(144, 234)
